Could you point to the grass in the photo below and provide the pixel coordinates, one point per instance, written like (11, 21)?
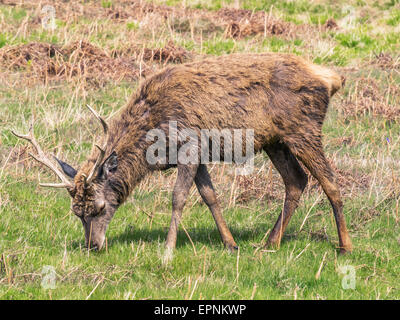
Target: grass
(132, 263)
(361, 138)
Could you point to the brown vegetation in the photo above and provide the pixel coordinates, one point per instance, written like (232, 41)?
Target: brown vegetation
(45, 62)
(386, 61)
(367, 97)
(331, 24)
(169, 53)
(242, 23)
(83, 60)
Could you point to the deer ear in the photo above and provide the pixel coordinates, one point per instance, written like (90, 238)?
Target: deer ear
(110, 165)
(68, 170)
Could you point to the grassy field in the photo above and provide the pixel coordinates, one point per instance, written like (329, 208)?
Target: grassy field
(96, 52)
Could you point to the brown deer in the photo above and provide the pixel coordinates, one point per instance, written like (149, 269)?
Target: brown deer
(281, 97)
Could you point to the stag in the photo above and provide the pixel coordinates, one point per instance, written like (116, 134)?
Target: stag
(281, 97)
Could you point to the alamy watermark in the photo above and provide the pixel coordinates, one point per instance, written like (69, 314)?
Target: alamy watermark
(49, 277)
(350, 17)
(349, 277)
(190, 146)
(49, 17)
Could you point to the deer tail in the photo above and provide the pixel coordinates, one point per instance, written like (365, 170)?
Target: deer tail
(332, 80)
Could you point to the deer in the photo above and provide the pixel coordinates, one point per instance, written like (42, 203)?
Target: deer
(283, 98)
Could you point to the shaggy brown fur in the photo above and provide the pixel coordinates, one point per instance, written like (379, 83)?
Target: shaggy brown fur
(282, 97)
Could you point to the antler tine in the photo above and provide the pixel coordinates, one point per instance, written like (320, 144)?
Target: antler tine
(96, 165)
(55, 185)
(101, 149)
(102, 121)
(42, 158)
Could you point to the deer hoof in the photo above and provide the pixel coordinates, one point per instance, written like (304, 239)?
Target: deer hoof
(344, 251)
(232, 248)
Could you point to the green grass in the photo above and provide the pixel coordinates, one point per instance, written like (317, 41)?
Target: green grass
(395, 18)
(40, 233)
(219, 46)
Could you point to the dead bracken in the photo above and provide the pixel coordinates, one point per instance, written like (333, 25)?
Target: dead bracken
(331, 24)
(84, 60)
(348, 181)
(169, 53)
(242, 23)
(45, 62)
(237, 23)
(367, 97)
(257, 187)
(264, 186)
(386, 61)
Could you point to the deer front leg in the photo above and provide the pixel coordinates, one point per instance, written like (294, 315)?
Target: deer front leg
(206, 190)
(184, 181)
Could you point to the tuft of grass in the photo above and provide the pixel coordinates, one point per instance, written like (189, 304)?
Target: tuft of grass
(132, 26)
(106, 4)
(3, 40)
(395, 18)
(219, 46)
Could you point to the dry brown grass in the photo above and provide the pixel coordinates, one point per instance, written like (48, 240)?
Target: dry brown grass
(241, 23)
(387, 61)
(237, 23)
(78, 59)
(368, 97)
(81, 59)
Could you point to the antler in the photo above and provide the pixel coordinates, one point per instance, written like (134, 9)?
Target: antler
(42, 158)
(103, 122)
(100, 159)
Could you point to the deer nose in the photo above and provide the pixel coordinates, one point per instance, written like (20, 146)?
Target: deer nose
(95, 244)
(98, 244)
(99, 205)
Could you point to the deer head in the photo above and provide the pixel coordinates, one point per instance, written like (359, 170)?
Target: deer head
(94, 200)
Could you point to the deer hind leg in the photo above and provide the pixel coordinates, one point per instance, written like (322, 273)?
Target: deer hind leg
(295, 181)
(184, 181)
(312, 155)
(206, 190)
